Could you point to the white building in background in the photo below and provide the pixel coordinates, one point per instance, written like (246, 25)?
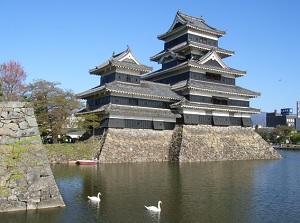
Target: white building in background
(297, 119)
(71, 122)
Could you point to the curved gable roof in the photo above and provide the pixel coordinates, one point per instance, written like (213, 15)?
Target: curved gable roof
(212, 55)
(191, 44)
(182, 20)
(124, 60)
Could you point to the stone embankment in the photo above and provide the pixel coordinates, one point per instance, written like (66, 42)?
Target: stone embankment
(26, 180)
(135, 145)
(185, 144)
(211, 143)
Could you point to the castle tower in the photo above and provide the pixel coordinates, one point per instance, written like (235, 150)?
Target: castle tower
(192, 63)
(123, 100)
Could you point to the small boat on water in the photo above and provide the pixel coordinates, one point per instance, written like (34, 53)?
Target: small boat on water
(86, 162)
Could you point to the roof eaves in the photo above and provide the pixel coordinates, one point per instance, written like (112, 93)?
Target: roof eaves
(228, 109)
(221, 70)
(226, 92)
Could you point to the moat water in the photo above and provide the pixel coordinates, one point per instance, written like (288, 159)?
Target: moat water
(226, 191)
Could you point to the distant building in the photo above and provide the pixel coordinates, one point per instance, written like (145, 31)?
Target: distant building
(297, 119)
(285, 118)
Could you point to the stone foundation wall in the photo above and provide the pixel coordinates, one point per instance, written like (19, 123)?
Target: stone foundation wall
(135, 145)
(26, 180)
(210, 143)
(185, 144)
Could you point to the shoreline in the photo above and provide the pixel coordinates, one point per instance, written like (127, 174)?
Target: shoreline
(287, 147)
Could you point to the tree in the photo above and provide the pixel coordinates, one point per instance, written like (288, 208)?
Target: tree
(265, 136)
(12, 78)
(88, 122)
(1, 94)
(282, 134)
(52, 105)
(295, 138)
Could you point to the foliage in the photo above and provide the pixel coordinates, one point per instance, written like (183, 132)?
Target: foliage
(88, 122)
(295, 138)
(265, 136)
(280, 134)
(1, 94)
(80, 150)
(52, 105)
(12, 78)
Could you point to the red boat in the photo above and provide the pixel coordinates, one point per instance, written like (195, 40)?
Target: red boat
(86, 162)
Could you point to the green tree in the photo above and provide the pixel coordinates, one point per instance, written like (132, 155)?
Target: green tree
(295, 138)
(52, 105)
(265, 136)
(88, 122)
(282, 134)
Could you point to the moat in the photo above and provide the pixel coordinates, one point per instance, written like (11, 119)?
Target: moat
(223, 191)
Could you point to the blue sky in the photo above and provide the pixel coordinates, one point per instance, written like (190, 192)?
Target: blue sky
(61, 40)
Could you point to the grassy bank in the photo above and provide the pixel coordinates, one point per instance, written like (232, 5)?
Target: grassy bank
(66, 152)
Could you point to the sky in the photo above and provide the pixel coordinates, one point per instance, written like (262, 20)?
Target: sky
(60, 40)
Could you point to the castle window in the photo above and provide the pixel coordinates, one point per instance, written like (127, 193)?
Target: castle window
(133, 101)
(211, 76)
(220, 101)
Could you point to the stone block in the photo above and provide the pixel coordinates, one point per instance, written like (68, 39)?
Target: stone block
(27, 170)
(31, 121)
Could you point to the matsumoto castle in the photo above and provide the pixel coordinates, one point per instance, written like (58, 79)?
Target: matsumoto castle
(193, 87)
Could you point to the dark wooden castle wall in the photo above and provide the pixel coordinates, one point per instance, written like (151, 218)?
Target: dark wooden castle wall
(195, 76)
(120, 77)
(136, 124)
(95, 103)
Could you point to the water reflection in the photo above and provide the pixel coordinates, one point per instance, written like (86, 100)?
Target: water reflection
(153, 216)
(229, 191)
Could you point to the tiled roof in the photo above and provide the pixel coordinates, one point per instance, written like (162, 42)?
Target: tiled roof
(190, 22)
(198, 23)
(144, 89)
(228, 70)
(91, 91)
(192, 63)
(114, 109)
(132, 66)
(214, 87)
(191, 44)
(124, 60)
(213, 107)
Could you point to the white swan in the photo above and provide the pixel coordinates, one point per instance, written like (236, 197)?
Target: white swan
(153, 208)
(93, 198)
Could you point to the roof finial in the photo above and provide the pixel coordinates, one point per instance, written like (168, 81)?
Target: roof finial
(113, 54)
(128, 47)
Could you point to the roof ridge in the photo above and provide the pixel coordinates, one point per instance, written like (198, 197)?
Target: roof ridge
(189, 16)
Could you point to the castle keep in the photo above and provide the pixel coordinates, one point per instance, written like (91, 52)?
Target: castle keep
(194, 87)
